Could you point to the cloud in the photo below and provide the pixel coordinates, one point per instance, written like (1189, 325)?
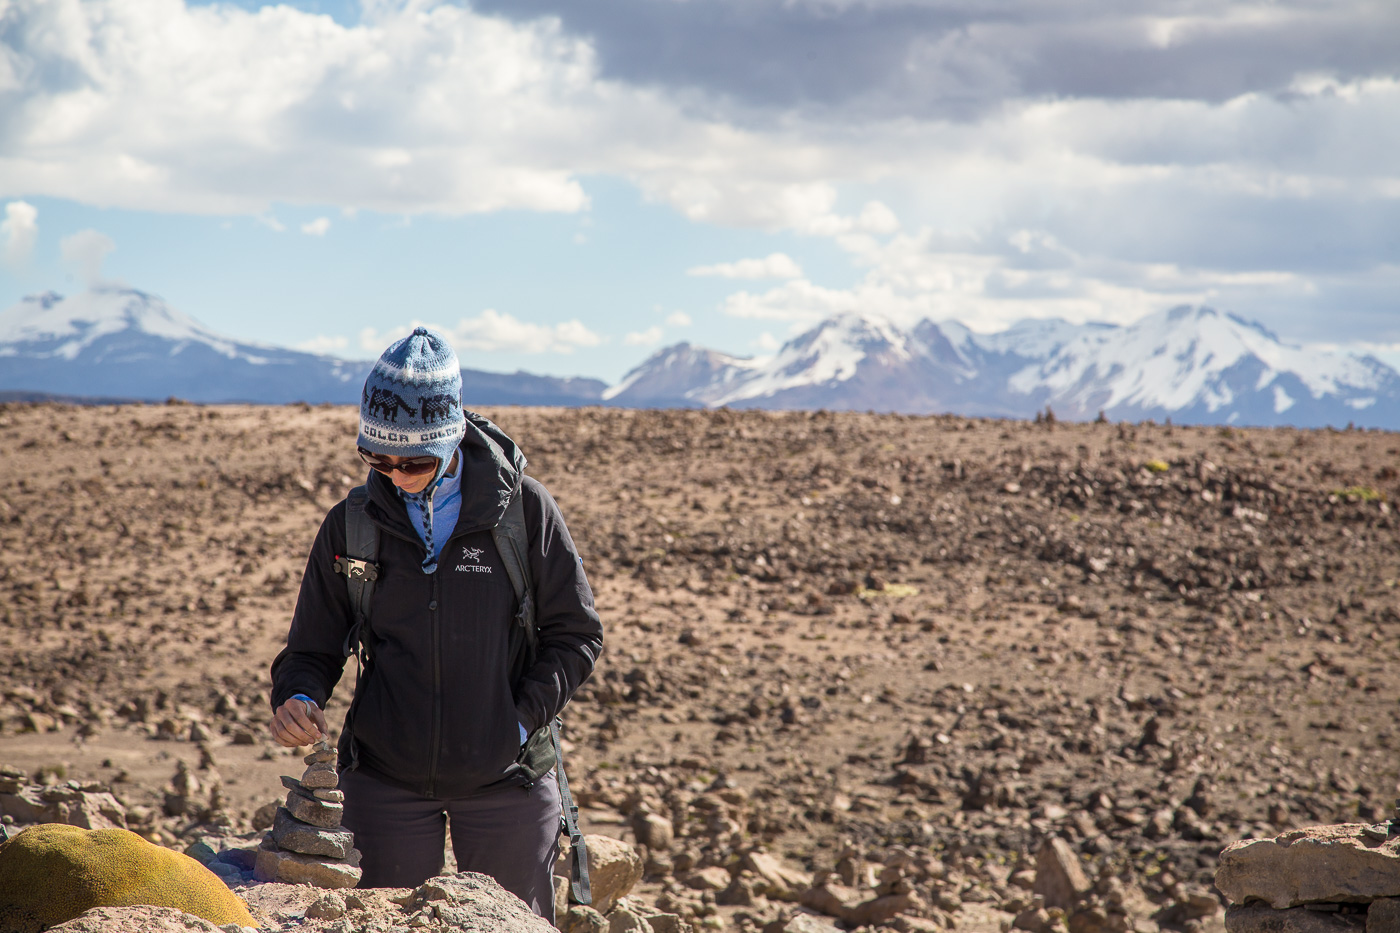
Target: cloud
(492, 332)
(643, 338)
(1223, 141)
(317, 227)
(19, 230)
(326, 345)
(774, 266)
(767, 343)
(84, 252)
(678, 319)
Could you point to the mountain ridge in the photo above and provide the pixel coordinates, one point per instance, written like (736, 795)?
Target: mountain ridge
(1188, 363)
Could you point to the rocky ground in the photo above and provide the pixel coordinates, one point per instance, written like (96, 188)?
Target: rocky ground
(890, 654)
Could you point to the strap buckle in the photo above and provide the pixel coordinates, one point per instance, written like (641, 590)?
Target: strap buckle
(356, 569)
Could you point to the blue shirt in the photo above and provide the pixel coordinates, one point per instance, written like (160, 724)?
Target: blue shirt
(447, 505)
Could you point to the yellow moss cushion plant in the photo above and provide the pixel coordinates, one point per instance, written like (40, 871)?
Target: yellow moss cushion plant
(52, 872)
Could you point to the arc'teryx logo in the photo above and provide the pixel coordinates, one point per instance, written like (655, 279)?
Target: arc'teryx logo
(472, 554)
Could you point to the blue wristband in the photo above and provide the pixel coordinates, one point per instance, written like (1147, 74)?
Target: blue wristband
(304, 698)
(523, 734)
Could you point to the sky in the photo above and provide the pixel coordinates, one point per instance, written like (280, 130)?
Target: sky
(565, 186)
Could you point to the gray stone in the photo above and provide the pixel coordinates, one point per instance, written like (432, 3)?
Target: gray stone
(653, 831)
(582, 919)
(320, 813)
(1256, 918)
(274, 864)
(1059, 878)
(320, 776)
(320, 756)
(334, 796)
(293, 835)
(1321, 864)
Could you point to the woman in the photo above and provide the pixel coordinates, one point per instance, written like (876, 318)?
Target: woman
(439, 721)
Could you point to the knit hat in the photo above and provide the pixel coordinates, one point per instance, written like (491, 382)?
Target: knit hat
(412, 406)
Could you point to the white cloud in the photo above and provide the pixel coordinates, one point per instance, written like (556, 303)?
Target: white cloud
(317, 227)
(643, 338)
(767, 343)
(271, 223)
(492, 331)
(774, 266)
(84, 252)
(19, 230)
(326, 345)
(678, 319)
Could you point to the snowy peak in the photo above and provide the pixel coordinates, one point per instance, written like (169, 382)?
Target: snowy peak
(675, 374)
(64, 327)
(1189, 363)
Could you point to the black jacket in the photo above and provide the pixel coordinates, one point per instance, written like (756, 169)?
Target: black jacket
(435, 711)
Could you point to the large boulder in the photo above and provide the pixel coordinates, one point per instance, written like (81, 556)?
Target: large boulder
(52, 873)
(614, 868)
(1317, 865)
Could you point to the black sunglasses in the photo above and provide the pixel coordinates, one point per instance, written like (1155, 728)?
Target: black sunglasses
(409, 466)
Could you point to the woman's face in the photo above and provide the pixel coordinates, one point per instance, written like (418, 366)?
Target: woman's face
(409, 484)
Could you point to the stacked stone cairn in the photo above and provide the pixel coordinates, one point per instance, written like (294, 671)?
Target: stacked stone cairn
(307, 844)
(1323, 879)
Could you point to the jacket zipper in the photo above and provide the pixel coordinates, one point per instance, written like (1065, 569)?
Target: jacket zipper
(435, 748)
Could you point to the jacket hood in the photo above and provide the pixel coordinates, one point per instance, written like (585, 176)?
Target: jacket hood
(493, 466)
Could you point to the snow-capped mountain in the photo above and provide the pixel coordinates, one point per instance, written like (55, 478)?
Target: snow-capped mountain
(120, 342)
(1191, 364)
(679, 376)
(116, 342)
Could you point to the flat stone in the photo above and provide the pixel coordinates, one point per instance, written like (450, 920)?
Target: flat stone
(318, 777)
(1059, 878)
(292, 784)
(322, 813)
(319, 756)
(334, 796)
(783, 883)
(1256, 918)
(1320, 864)
(284, 867)
(293, 835)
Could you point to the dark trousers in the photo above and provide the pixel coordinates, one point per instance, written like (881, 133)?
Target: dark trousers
(511, 834)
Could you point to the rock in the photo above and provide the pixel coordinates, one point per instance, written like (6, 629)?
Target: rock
(582, 919)
(1257, 918)
(878, 910)
(614, 867)
(804, 923)
(293, 868)
(329, 906)
(709, 878)
(468, 901)
(322, 813)
(320, 777)
(740, 892)
(624, 919)
(782, 883)
(831, 899)
(653, 831)
(1058, 876)
(906, 924)
(135, 920)
(295, 836)
(1383, 916)
(1284, 871)
(320, 756)
(334, 796)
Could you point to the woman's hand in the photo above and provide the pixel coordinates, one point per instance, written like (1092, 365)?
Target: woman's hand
(298, 722)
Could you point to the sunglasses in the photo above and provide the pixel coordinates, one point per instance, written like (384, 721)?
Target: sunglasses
(409, 466)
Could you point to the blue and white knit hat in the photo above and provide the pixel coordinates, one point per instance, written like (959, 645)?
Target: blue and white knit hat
(412, 407)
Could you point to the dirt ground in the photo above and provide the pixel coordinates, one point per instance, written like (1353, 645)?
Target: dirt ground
(835, 636)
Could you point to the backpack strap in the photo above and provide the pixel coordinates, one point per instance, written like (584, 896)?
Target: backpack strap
(513, 542)
(578, 848)
(360, 566)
